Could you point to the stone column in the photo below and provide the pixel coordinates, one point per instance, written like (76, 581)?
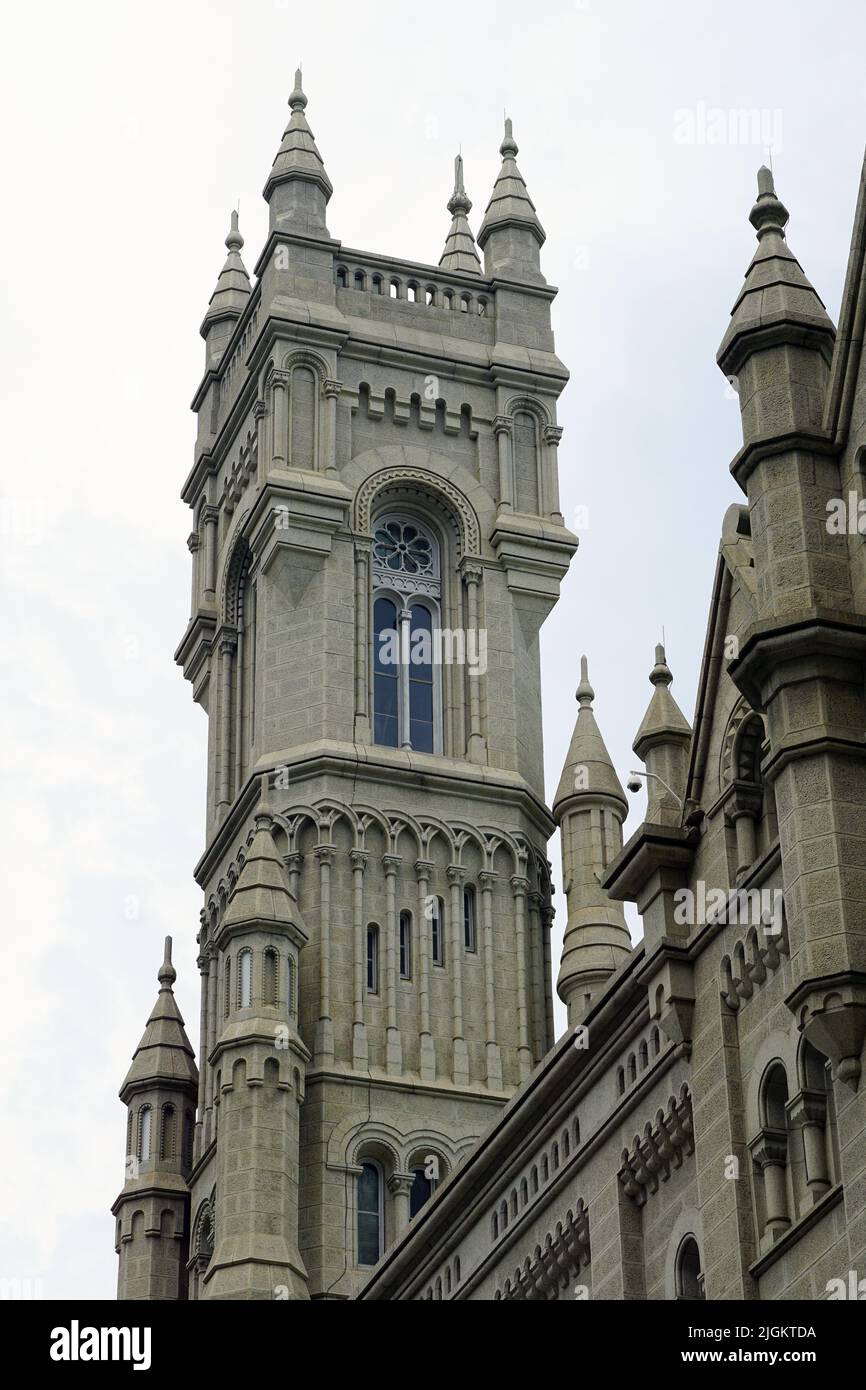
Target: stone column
(293, 862)
(210, 517)
(770, 1152)
(548, 912)
(280, 389)
(536, 956)
(213, 1004)
(203, 963)
(808, 1112)
(226, 651)
(486, 880)
(423, 870)
(331, 391)
(519, 888)
(194, 546)
(393, 1041)
(360, 1060)
(476, 743)
(550, 500)
(460, 1062)
(324, 1045)
(502, 429)
(363, 722)
(400, 1187)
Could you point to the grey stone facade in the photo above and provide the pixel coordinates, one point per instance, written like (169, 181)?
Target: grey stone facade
(375, 938)
(377, 458)
(700, 1130)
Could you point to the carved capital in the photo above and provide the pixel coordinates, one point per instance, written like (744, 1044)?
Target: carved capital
(502, 424)
(472, 571)
(193, 542)
(424, 868)
(358, 858)
(391, 863)
(456, 874)
(260, 410)
(769, 1148)
(486, 880)
(808, 1108)
(552, 435)
(331, 388)
(519, 885)
(325, 854)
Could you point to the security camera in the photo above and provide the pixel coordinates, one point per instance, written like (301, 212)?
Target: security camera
(634, 784)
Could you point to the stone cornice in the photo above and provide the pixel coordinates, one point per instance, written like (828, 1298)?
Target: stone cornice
(746, 461)
(651, 847)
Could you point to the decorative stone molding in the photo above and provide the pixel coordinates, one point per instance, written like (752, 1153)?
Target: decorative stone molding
(660, 1150)
(391, 479)
(554, 1264)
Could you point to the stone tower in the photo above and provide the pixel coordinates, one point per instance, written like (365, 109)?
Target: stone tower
(801, 663)
(152, 1211)
(590, 807)
(376, 541)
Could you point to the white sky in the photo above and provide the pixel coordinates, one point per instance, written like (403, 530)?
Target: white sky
(129, 131)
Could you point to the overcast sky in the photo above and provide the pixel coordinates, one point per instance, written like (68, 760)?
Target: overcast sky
(129, 132)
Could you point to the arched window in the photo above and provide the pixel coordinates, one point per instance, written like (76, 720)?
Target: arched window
(406, 659)
(769, 1151)
(448, 299)
(342, 277)
(245, 979)
(394, 289)
(430, 296)
(690, 1280)
(464, 303)
(145, 1130)
(412, 292)
(377, 284)
(421, 1191)
(372, 960)
(437, 934)
(188, 1132)
(643, 1055)
(370, 1214)
(620, 1081)
(360, 280)
(405, 946)
(482, 308)
(270, 977)
(303, 407)
(167, 1138)
(525, 435)
(469, 937)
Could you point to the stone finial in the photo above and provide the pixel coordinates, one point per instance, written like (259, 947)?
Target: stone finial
(234, 240)
(661, 673)
(167, 973)
(297, 98)
(585, 693)
(460, 251)
(511, 234)
(509, 148)
(230, 295)
(769, 214)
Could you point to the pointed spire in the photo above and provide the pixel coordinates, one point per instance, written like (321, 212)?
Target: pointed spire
(164, 1056)
(298, 188)
(229, 298)
(260, 894)
(588, 769)
(662, 743)
(511, 226)
(590, 807)
(460, 251)
(777, 302)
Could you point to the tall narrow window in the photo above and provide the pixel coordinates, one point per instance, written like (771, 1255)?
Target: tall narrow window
(526, 461)
(469, 919)
(245, 979)
(421, 1191)
(406, 661)
(228, 986)
(405, 946)
(167, 1139)
(690, 1280)
(370, 1225)
(302, 404)
(373, 960)
(270, 983)
(145, 1124)
(291, 996)
(386, 673)
(436, 933)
